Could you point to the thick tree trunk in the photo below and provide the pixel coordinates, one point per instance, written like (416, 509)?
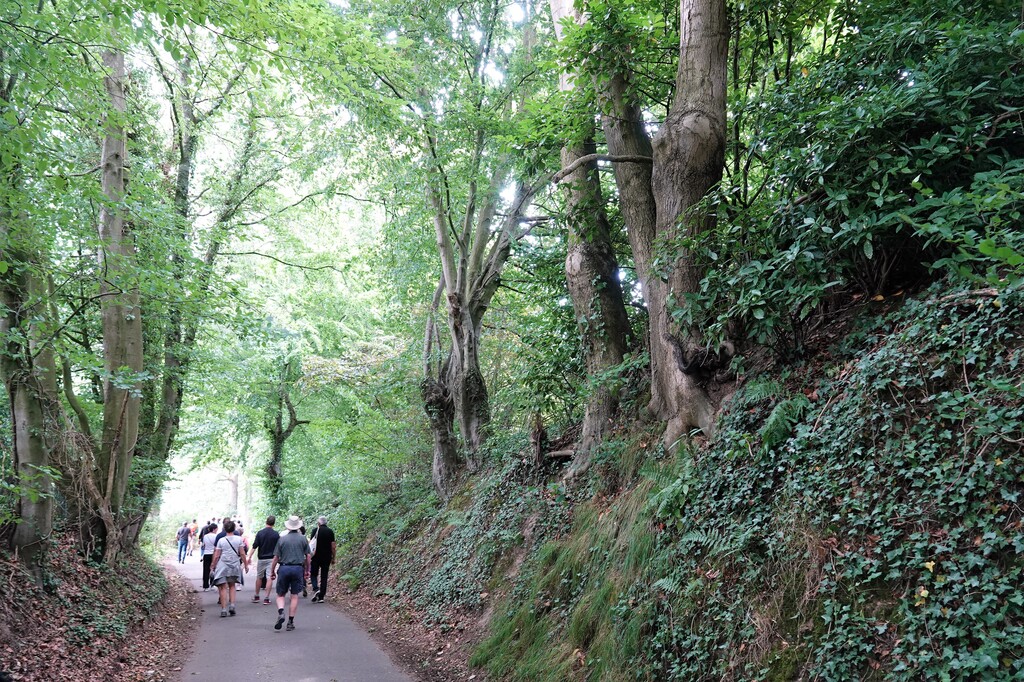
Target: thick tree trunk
(466, 382)
(29, 376)
(121, 314)
(26, 367)
(447, 465)
(625, 134)
(652, 206)
(592, 276)
(689, 156)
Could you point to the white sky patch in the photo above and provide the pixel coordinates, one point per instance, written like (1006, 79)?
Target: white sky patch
(509, 193)
(515, 13)
(391, 38)
(492, 71)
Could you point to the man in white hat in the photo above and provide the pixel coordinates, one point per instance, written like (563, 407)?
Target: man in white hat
(292, 555)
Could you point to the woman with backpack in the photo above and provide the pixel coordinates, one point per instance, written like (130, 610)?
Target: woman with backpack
(227, 563)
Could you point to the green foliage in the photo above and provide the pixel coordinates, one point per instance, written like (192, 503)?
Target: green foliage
(469, 543)
(840, 513)
(887, 152)
(565, 613)
(922, 415)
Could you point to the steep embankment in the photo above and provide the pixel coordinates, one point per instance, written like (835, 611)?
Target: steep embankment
(123, 623)
(858, 516)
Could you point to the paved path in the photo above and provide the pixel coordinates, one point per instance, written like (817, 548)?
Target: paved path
(326, 646)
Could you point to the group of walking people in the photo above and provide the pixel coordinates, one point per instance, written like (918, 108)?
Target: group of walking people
(289, 558)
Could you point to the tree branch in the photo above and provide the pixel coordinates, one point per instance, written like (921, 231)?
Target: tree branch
(281, 261)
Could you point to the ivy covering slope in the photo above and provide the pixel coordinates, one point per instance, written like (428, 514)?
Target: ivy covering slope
(854, 519)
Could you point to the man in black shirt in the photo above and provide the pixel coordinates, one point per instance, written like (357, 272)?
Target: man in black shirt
(265, 543)
(322, 559)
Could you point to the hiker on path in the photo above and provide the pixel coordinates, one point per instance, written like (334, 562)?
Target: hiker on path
(236, 532)
(183, 535)
(292, 554)
(264, 545)
(194, 535)
(227, 568)
(323, 557)
(209, 547)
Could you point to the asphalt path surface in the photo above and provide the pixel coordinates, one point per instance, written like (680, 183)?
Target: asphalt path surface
(326, 646)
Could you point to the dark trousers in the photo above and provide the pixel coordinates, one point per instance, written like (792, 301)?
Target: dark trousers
(207, 560)
(318, 576)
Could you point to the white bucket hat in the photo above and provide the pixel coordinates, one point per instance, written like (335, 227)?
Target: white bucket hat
(293, 523)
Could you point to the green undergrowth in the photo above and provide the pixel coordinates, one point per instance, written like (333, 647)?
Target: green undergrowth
(860, 520)
(446, 559)
(858, 517)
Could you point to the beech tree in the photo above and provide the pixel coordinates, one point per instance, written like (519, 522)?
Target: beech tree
(591, 270)
(689, 157)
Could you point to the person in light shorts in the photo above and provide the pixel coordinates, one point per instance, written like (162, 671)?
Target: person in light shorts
(263, 546)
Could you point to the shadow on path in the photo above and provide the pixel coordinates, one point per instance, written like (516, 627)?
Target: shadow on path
(326, 646)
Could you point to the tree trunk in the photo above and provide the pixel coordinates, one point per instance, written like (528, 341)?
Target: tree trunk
(29, 376)
(275, 481)
(592, 276)
(26, 367)
(232, 480)
(465, 380)
(279, 432)
(625, 135)
(441, 416)
(689, 156)
(121, 315)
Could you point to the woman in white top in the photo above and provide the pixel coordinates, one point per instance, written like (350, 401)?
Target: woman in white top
(209, 538)
(228, 559)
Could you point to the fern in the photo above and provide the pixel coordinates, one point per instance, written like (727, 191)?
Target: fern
(715, 543)
(761, 389)
(668, 585)
(779, 424)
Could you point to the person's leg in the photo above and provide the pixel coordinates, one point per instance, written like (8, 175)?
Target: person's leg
(270, 585)
(313, 577)
(324, 568)
(231, 598)
(181, 551)
(291, 612)
(283, 583)
(207, 560)
(222, 599)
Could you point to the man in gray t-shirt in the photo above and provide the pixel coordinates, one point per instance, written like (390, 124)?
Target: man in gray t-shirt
(292, 555)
